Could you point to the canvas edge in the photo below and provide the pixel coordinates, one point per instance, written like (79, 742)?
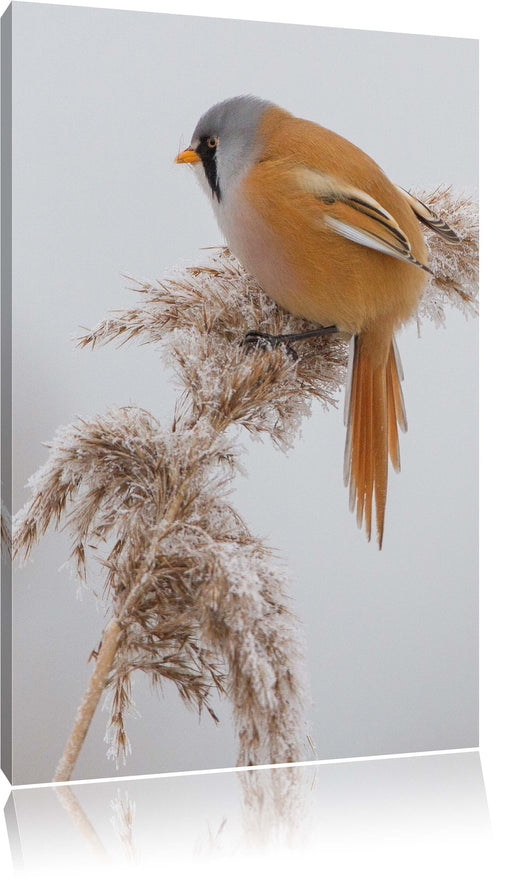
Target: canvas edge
(6, 395)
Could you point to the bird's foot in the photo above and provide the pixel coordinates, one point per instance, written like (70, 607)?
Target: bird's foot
(261, 340)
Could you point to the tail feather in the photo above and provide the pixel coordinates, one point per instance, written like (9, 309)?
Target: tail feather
(393, 444)
(368, 470)
(365, 425)
(347, 417)
(397, 375)
(374, 409)
(395, 404)
(380, 450)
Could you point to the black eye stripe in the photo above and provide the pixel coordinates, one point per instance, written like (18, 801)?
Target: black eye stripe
(209, 160)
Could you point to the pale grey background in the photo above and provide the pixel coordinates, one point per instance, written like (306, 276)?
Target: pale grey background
(102, 101)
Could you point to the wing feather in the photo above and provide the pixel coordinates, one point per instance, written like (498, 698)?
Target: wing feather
(357, 216)
(373, 240)
(427, 217)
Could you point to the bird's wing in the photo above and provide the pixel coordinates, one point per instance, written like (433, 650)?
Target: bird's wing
(427, 217)
(356, 215)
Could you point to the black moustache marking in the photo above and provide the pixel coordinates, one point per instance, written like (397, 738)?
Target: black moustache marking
(209, 161)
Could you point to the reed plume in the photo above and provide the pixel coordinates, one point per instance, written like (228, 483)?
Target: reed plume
(5, 533)
(195, 599)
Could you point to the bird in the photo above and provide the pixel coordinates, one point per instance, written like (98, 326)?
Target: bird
(330, 238)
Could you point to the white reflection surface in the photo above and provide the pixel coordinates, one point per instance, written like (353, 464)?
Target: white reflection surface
(300, 811)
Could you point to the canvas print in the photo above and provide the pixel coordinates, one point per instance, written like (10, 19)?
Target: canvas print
(244, 325)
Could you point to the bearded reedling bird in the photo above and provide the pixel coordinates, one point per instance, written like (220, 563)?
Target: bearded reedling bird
(330, 238)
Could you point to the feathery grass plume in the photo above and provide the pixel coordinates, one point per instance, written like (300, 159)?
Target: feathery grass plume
(199, 317)
(455, 267)
(6, 533)
(199, 602)
(276, 805)
(122, 821)
(196, 600)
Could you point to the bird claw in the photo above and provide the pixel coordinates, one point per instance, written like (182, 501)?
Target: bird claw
(261, 340)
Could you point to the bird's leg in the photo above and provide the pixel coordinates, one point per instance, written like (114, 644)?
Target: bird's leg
(302, 335)
(262, 340)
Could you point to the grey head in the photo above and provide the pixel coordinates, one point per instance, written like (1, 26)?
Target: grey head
(225, 139)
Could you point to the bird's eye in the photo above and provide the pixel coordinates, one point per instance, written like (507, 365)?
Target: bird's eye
(212, 142)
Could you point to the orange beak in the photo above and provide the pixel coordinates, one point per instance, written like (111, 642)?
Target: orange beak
(188, 155)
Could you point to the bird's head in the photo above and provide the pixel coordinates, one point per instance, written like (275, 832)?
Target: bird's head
(225, 143)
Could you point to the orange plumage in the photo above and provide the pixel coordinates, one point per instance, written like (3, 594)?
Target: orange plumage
(332, 239)
(333, 280)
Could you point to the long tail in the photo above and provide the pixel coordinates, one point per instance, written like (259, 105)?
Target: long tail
(374, 409)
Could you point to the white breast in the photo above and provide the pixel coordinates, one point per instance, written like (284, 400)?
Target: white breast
(255, 245)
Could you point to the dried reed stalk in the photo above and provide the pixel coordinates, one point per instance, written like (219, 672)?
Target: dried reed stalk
(78, 816)
(194, 597)
(90, 701)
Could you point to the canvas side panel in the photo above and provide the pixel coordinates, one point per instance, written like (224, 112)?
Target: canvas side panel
(6, 399)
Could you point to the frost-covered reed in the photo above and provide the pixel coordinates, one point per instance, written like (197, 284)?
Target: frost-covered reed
(194, 598)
